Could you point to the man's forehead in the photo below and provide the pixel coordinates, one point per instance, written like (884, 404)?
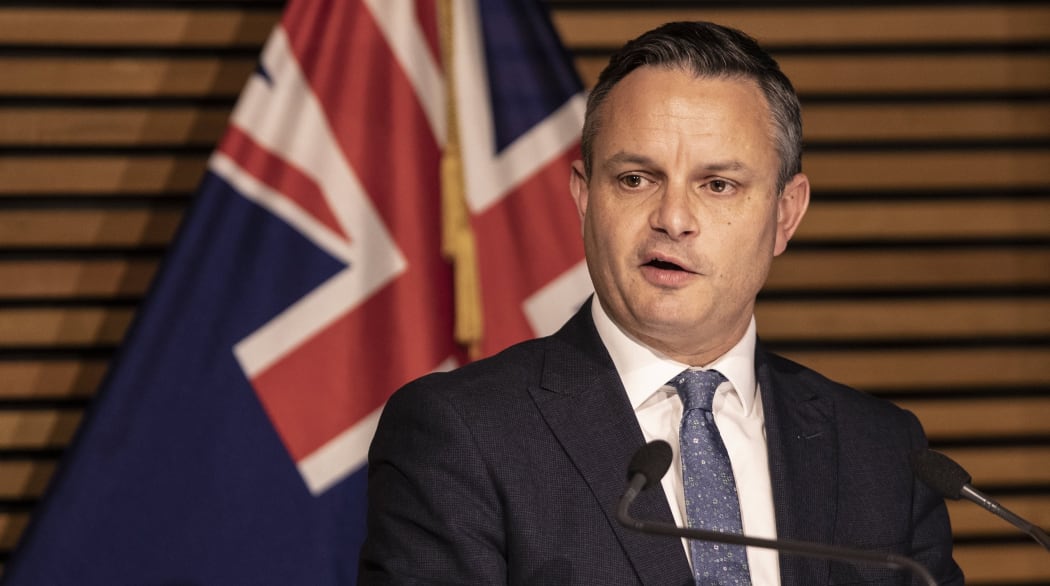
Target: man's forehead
(652, 88)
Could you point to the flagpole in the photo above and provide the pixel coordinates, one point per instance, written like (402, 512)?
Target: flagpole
(457, 235)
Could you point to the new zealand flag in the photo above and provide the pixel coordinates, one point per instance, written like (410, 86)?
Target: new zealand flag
(308, 282)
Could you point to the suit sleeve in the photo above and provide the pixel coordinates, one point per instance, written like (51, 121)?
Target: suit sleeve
(433, 510)
(931, 535)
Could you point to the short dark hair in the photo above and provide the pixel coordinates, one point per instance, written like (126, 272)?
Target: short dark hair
(707, 50)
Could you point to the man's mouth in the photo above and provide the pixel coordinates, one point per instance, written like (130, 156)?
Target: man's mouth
(663, 265)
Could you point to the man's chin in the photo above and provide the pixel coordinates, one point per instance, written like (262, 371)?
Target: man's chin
(663, 323)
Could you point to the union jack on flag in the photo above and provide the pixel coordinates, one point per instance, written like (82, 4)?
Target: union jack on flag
(387, 169)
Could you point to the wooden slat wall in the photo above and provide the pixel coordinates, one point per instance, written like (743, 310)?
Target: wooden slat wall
(921, 274)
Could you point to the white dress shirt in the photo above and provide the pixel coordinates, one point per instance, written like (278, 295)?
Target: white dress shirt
(738, 414)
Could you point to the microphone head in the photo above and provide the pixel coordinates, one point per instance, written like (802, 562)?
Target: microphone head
(651, 461)
(940, 473)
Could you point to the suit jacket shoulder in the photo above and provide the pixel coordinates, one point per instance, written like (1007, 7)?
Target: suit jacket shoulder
(840, 466)
(509, 470)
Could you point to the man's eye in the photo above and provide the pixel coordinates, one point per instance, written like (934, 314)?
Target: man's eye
(632, 180)
(718, 186)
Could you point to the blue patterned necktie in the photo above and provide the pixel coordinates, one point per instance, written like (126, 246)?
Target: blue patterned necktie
(710, 490)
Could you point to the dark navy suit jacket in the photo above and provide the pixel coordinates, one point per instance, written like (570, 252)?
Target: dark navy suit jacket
(509, 470)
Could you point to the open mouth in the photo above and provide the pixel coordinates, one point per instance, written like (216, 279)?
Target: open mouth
(663, 265)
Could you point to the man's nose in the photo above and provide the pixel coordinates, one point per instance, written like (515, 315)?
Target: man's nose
(675, 212)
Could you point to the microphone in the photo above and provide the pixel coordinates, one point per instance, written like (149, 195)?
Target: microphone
(648, 465)
(947, 477)
(651, 462)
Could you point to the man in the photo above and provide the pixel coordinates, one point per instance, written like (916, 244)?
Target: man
(509, 470)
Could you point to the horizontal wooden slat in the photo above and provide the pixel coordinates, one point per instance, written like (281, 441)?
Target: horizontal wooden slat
(825, 25)
(819, 320)
(969, 519)
(828, 171)
(904, 269)
(947, 370)
(926, 220)
(953, 418)
(187, 126)
(826, 222)
(927, 169)
(33, 429)
(578, 27)
(128, 228)
(839, 74)
(100, 174)
(51, 379)
(24, 479)
(777, 26)
(103, 277)
(173, 126)
(128, 27)
(832, 269)
(811, 74)
(891, 319)
(31, 327)
(1004, 466)
(922, 121)
(12, 525)
(27, 479)
(1021, 563)
(125, 76)
(990, 467)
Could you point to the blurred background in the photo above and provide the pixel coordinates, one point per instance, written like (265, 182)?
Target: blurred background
(921, 273)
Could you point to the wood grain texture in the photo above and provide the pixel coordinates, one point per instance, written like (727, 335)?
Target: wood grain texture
(903, 319)
(953, 418)
(88, 228)
(604, 26)
(1021, 563)
(30, 327)
(921, 272)
(947, 370)
(100, 174)
(180, 126)
(152, 27)
(882, 269)
(123, 126)
(90, 278)
(51, 379)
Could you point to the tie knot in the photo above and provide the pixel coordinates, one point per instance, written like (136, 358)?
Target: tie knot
(697, 388)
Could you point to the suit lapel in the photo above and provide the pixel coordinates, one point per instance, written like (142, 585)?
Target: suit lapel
(803, 458)
(585, 405)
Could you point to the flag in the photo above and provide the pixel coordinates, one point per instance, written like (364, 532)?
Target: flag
(391, 178)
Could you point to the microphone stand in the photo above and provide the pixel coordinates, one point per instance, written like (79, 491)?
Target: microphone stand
(803, 548)
(991, 505)
(952, 481)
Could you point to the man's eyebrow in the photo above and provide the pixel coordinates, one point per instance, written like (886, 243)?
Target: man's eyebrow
(627, 158)
(624, 157)
(731, 165)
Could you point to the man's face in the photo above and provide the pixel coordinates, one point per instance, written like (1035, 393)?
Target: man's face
(681, 218)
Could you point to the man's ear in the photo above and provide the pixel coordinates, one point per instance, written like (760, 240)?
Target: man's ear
(791, 207)
(578, 188)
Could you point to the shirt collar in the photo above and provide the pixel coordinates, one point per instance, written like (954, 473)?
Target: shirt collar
(644, 371)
